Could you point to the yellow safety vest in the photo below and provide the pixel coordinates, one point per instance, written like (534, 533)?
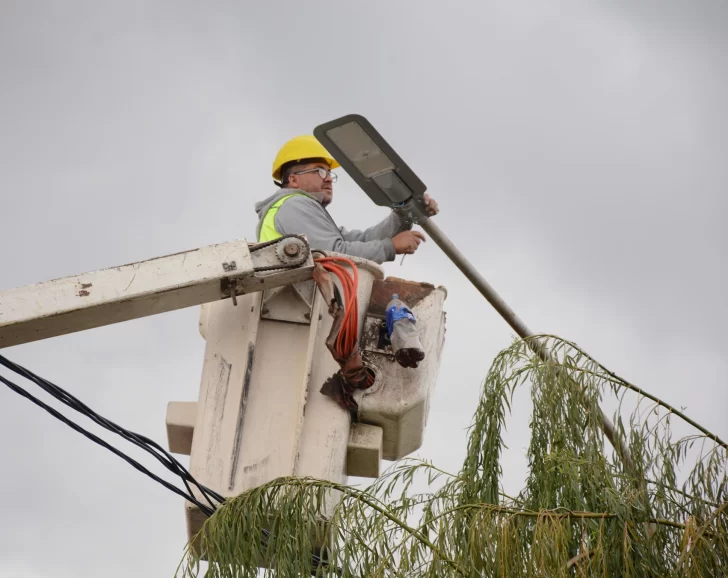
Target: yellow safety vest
(268, 230)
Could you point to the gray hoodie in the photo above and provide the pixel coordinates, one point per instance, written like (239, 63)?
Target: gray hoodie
(305, 215)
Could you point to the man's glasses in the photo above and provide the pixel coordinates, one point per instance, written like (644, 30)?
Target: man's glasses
(323, 173)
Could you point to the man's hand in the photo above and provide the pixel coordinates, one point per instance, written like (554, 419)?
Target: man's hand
(431, 206)
(407, 242)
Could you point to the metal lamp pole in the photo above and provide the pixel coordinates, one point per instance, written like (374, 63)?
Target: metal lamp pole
(412, 211)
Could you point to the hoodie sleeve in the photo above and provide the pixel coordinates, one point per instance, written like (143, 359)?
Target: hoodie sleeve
(387, 229)
(306, 216)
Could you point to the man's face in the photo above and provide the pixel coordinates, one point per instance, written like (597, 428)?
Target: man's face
(312, 183)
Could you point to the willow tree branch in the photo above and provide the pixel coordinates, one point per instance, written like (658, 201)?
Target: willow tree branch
(621, 382)
(411, 211)
(374, 504)
(578, 558)
(702, 530)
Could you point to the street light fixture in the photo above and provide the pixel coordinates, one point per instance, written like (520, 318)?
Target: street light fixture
(370, 160)
(385, 177)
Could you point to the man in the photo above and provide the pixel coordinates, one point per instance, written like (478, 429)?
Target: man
(302, 169)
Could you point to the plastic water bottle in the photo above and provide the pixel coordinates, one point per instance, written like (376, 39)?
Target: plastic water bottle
(403, 333)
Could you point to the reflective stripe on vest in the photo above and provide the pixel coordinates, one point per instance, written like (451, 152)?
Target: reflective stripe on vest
(268, 230)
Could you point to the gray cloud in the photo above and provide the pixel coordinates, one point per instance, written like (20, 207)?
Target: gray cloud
(577, 153)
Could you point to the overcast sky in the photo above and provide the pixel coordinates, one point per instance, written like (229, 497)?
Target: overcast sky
(577, 150)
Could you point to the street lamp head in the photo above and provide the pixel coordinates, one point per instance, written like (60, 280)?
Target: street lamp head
(370, 160)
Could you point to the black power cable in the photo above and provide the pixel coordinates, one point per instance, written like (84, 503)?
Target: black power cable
(140, 441)
(63, 396)
(150, 446)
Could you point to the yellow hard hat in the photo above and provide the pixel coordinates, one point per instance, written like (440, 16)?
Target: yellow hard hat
(299, 148)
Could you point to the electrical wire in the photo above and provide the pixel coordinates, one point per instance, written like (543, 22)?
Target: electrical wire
(140, 441)
(146, 444)
(136, 465)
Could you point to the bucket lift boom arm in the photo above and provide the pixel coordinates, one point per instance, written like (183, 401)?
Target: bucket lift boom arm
(158, 285)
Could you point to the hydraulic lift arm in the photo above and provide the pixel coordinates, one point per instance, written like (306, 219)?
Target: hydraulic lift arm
(158, 285)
